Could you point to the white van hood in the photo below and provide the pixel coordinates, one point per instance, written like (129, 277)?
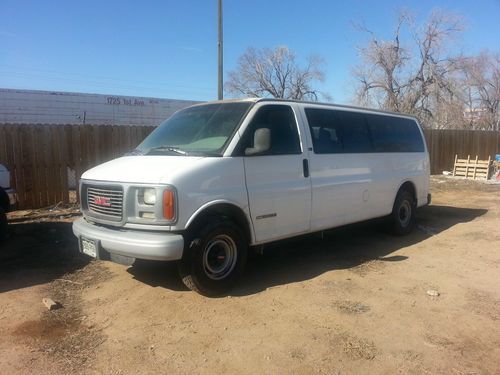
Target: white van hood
(142, 169)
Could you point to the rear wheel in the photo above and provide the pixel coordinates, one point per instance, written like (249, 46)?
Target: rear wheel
(403, 213)
(214, 258)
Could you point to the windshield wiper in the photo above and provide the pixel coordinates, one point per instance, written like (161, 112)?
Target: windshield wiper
(175, 150)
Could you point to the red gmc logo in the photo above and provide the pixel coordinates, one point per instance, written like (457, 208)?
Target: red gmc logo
(102, 201)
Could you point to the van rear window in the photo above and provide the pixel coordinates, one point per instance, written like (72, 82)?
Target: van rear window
(394, 134)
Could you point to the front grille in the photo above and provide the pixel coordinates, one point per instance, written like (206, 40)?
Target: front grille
(105, 200)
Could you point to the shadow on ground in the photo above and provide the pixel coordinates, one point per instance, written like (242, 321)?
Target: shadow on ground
(306, 257)
(157, 274)
(37, 253)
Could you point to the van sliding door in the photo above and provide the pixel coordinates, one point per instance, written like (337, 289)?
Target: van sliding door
(340, 167)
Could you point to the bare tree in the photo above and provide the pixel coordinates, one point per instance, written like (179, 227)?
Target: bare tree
(416, 75)
(482, 78)
(275, 73)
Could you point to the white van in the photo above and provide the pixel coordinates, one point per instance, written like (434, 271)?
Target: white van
(217, 178)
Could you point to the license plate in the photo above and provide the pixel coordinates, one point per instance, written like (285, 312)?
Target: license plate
(89, 247)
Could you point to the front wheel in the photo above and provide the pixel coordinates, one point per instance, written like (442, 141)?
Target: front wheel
(403, 213)
(214, 258)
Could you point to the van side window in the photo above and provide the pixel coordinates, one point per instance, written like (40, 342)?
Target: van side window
(356, 136)
(326, 131)
(394, 134)
(280, 120)
(336, 132)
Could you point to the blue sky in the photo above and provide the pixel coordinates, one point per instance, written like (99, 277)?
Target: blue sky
(168, 48)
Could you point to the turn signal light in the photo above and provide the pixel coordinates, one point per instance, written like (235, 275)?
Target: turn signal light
(169, 205)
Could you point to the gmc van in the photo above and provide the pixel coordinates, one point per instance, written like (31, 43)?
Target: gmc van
(218, 178)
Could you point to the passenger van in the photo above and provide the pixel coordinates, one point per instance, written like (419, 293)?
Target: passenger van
(218, 178)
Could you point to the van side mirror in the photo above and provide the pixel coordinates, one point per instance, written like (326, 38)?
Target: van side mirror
(261, 142)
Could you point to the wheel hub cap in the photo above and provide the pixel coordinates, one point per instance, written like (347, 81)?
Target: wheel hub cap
(219, 257)
(404, 213)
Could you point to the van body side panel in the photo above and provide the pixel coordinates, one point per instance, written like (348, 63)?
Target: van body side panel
(339, 182)
(348, 188)
(423, 187)
(423, 183)
(413, 167)
(211, 180)
(389, 172)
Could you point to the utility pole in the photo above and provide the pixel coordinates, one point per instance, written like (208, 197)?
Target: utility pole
(219, 44)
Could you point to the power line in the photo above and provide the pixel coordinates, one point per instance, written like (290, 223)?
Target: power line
(80, 78)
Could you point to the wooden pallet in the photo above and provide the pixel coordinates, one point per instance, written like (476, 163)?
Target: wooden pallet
(474, 169)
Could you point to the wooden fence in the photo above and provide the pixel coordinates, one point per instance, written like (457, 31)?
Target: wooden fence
(443, 145)
(39, 156)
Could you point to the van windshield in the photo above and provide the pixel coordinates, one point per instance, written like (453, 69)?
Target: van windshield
(202, 130)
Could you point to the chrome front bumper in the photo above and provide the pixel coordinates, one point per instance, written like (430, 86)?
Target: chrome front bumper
(131, 243)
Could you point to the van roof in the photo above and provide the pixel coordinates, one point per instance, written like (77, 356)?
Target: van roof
(333, 105)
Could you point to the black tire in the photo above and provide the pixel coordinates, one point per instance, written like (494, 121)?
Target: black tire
(402, 218)
(214, 258)
(3, 224)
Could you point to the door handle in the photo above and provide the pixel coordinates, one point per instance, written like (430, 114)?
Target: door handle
(305, 167)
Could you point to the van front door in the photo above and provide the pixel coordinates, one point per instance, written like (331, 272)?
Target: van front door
(277, 178)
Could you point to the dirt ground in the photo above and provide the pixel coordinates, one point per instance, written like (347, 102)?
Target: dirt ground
(353, 302)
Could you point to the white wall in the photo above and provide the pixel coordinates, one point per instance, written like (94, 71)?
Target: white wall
(51, 107)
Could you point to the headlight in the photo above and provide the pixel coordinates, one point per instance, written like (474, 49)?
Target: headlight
(149, 196)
